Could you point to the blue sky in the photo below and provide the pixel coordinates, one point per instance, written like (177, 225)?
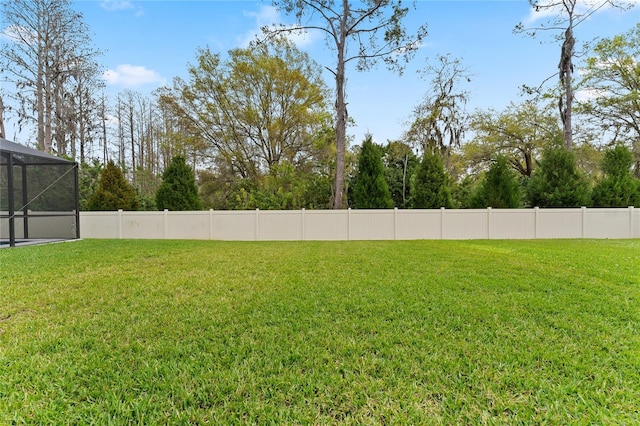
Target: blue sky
(147, 43)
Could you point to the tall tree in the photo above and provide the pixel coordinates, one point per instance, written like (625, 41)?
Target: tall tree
(430, 184)
(43, 43)
(370, 189)
(611, 80)
(363, 32)
(114, 192)
(440, 120)
(557, 182)
(2, 130)
(260, 107)
(499, 187)
(519, 133)
(178, 190)
(618, 187)
(565, 16)
(400, 163)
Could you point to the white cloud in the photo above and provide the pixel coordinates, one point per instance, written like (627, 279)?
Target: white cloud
(586, 95)
(268, 16)
(111, 120)
(119, 5)
(132, 76)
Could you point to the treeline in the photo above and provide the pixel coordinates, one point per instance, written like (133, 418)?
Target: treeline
(393, 176)
(256, 130)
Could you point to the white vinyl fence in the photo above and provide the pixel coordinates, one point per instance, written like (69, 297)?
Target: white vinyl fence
(262, 225)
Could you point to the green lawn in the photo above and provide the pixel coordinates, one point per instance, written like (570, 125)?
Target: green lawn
(425, 332)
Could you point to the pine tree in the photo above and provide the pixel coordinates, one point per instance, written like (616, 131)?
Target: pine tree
(370, 189)
(178, 191)
(557, 181)
(114, 192)
(499, 188)
(430, 184)
(618, 188)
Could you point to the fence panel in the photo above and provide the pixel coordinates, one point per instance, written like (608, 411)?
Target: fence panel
(608, 223)
(465, 225)
(142, 225)
(332, 225)
(419, 224)
(365, 224)
(186, 225)
(512, 224)
(234, 225)
(280, 225)
(372, 225)
(99, 225)
(559, 223)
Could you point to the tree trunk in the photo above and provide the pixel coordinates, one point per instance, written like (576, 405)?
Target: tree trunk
(82, 120)
(132, 138)
(48, 113)
(121, 153)
(565, 68)
(40, 105)
(341, 111)
(103, 123)
(3, 135)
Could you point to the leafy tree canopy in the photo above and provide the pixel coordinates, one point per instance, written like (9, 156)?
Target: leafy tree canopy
(618, 187)
(499, 188)
(430, 184)
(178, 190)
(114, 192)
(558, 182)
(370, 189)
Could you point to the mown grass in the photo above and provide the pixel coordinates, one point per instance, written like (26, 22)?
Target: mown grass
(425, 332)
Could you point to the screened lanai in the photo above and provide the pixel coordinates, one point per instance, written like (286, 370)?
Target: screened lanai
(38, 196)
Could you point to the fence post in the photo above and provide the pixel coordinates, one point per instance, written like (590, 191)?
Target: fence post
(349, 224)
(120, 223)
(535, 222)
(302, 225)
(257, 224)
(631, 222)
(441, 223)
(211, 224)
(165, 215)
(489, 214)
(395, 223)
(584, 220)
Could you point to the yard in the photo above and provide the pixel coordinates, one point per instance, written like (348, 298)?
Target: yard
(421, 332)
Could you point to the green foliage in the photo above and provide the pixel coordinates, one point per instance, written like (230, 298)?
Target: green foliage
(178, 191)
(165, 332)
(259, 107)
(284, 188)
(146, 202)
(499, 188)
(462, 192)
(88, 181)
(519, 133)
(614, 72)
(619, 187)
(400, 164)
(114, 192)
(430, 184)
(370, 189)
(147, 185)
(557, 182)
(617, 162)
